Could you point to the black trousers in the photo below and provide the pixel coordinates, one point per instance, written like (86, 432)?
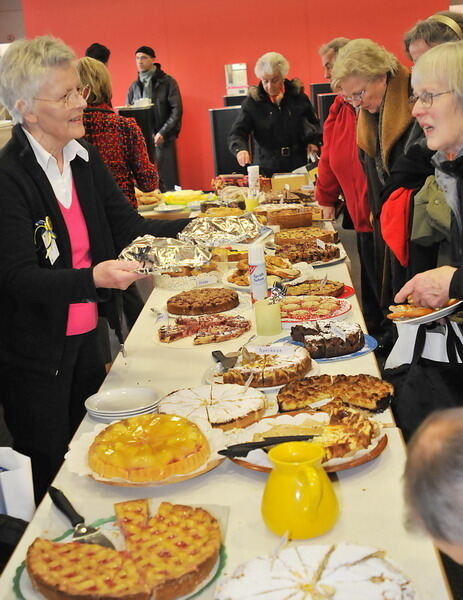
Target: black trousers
(43, 412)
(373, 315)
(166, 161)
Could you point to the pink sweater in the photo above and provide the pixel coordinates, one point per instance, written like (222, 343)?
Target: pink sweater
(82, 317)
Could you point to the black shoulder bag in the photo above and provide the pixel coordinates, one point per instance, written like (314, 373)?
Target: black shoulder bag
(424, 385)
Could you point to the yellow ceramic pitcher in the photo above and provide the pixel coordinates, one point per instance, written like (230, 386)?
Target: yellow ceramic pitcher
(299, 498)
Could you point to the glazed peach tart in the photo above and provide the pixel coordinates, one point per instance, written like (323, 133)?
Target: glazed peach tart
(166, 556)
(148, 448)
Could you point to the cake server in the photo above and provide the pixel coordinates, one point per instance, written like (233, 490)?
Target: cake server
(84, 534)
(227, 362)
(242, 449)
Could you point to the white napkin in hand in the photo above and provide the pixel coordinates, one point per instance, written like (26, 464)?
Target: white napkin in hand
(16, 487)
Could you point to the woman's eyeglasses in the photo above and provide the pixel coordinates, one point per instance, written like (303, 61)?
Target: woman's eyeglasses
(70, 97)
(356, 96)
(426, 98)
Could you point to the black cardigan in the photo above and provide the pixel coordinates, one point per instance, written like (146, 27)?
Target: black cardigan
(34, 294)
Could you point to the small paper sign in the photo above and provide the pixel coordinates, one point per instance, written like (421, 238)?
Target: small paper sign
(338, 331)
(321, 244)
(280, 350)
(206, 279)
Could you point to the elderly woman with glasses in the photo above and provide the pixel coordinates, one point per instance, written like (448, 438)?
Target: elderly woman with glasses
(373, 80)
(279, 116)
(437, 81)
(63, 222)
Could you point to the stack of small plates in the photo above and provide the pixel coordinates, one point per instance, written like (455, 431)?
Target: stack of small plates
(121, 403)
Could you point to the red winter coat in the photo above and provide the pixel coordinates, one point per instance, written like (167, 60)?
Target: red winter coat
(340, 170)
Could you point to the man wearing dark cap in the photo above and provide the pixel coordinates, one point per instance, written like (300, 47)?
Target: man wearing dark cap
(98, 52)
(163, 91)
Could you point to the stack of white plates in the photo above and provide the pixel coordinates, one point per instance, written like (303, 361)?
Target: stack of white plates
(121, 403)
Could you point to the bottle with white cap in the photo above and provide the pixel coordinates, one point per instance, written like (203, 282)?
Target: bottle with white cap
(257, 272)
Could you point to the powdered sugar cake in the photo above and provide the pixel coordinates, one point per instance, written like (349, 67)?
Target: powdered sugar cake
(339, 572)
(223, 405)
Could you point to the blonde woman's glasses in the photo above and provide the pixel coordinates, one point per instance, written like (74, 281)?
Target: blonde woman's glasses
(70, 97)
(426, 98)
(356, 96)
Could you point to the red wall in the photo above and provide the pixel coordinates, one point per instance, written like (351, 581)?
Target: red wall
(193, 40)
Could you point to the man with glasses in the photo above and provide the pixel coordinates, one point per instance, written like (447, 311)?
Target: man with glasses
(163, 91)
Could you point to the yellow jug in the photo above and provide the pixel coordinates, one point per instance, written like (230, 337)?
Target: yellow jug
(299, 498)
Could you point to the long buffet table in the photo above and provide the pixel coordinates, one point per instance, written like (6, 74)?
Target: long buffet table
(370, 495)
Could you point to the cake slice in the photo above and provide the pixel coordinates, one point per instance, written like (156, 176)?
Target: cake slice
(76, 571)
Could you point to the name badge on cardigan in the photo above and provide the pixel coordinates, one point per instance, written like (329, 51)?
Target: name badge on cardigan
(50, 244)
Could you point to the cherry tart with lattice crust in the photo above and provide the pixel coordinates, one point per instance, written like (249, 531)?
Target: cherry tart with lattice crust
(76, 571)
(165, 556)
(174, 550)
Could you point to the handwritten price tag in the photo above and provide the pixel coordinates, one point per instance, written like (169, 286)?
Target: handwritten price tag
(280, 350)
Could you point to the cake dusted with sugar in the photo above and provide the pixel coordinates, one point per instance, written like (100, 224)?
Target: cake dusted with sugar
(223, 405)
(326, 339)
(340, 572)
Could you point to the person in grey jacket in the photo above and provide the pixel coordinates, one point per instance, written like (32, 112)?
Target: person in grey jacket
(163, 91)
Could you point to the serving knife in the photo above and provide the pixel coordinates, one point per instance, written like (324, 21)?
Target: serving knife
(236, 450)
(83, 534)
(227, 362)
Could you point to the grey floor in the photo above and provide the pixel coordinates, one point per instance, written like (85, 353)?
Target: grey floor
(347, 238)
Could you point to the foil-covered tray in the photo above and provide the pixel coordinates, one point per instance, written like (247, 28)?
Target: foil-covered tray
(219, 231)
(164, 255)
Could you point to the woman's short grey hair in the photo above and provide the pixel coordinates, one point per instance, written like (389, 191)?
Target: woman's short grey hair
(271, 63)
(442, 64)
(433, 476)
(24, 67)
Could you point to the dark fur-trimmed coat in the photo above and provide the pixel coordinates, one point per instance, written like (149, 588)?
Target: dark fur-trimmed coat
(292, 124)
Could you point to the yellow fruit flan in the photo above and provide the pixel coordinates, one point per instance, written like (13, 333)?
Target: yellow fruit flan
(148, 448)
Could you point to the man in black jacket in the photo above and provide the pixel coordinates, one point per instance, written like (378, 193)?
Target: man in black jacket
(163, 91)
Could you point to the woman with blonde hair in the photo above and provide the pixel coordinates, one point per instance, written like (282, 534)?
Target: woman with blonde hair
(119, 139)
(122, 148)
(372, 78)
(279, 116)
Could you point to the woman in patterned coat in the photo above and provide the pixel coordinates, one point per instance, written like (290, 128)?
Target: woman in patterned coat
(118, 139)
